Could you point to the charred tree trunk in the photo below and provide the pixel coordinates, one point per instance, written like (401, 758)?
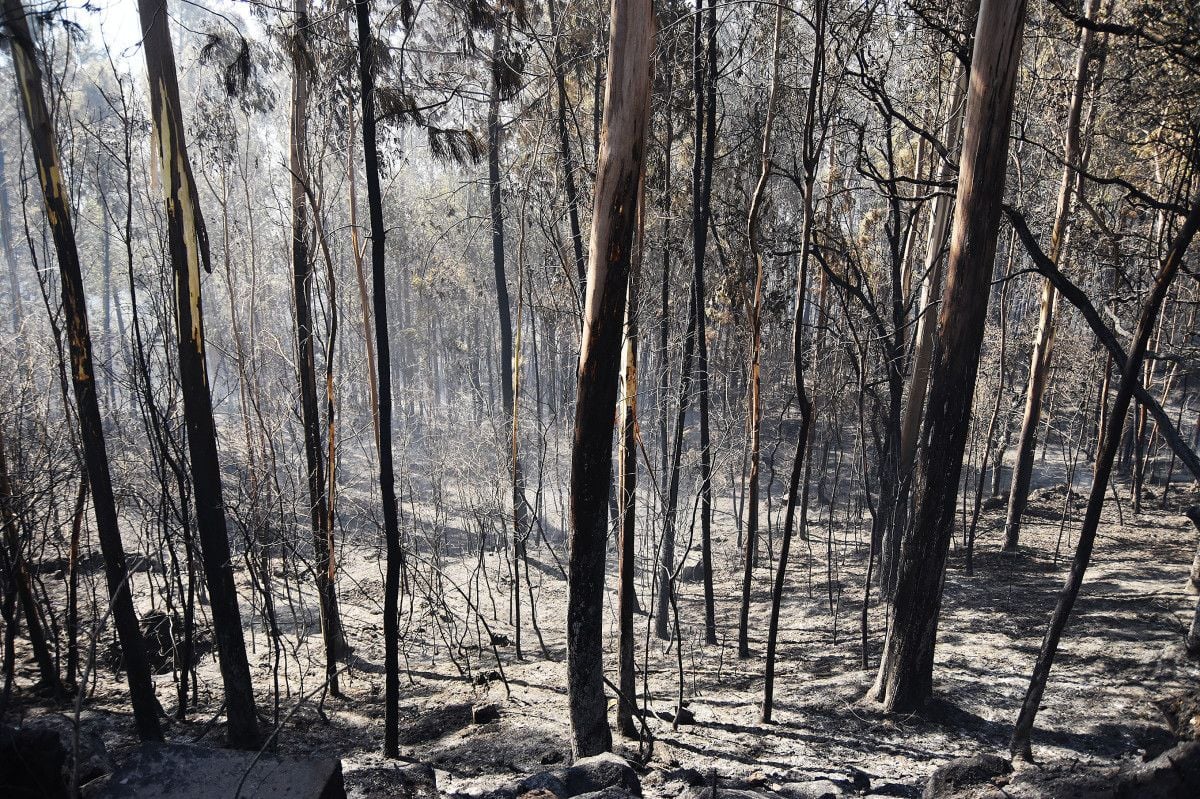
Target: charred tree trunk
(797, 496)
(627, 483)
(188, 246)
(662, 394)
(188, 243)
(753, 225)
(905, 678)
(666, 566)
(752, 230)
(504, 309)
(693, 367)
(83, 378)
(383, 371)
(1110, 442)
(302, 280)
(364, 298)
(699, 238)
(626, 110)
(918, 383)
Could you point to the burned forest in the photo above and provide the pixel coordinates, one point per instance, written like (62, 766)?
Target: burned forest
(599, 399)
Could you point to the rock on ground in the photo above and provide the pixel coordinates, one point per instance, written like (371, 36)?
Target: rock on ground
(375, 777)
(436, 724)
(978, 775)
(589, 775)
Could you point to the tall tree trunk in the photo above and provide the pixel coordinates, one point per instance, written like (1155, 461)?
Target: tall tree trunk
(918, 382)
(699, 238)
(666, 566)
(364, 299)
(188, 243)
(335, 630)
(905, 678)
(797, 497)
(383, 371)
(302, 282)
(83, 378)
(1043, 343)
(753, 224)
(755, 413)
(1019, 746)
(504, 309)
(622, 152)
(693, 366)
(662, 394)
(627, 482)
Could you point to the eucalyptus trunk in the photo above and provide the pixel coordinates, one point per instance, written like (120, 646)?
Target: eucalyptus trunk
(302, 290)
(905, 679)
(627, 487)
(383, 372)
(43, 140)
(621, 160)
(188, 246)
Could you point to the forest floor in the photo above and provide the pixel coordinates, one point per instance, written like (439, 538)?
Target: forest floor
(1122, 653)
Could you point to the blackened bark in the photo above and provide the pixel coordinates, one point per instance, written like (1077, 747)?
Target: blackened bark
(662, 393)
(1110, 441)
(302, 279)
(387, 480)
(752, 232)
(666, 566)
(1043, 344)
(699, 238)
(626, 109)
(504, 311)
(755, 379)
(83, 378)
(627, 483)
(797, 497)
(188, 245)
(693, 366)
(905, 678)
(931, 292)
